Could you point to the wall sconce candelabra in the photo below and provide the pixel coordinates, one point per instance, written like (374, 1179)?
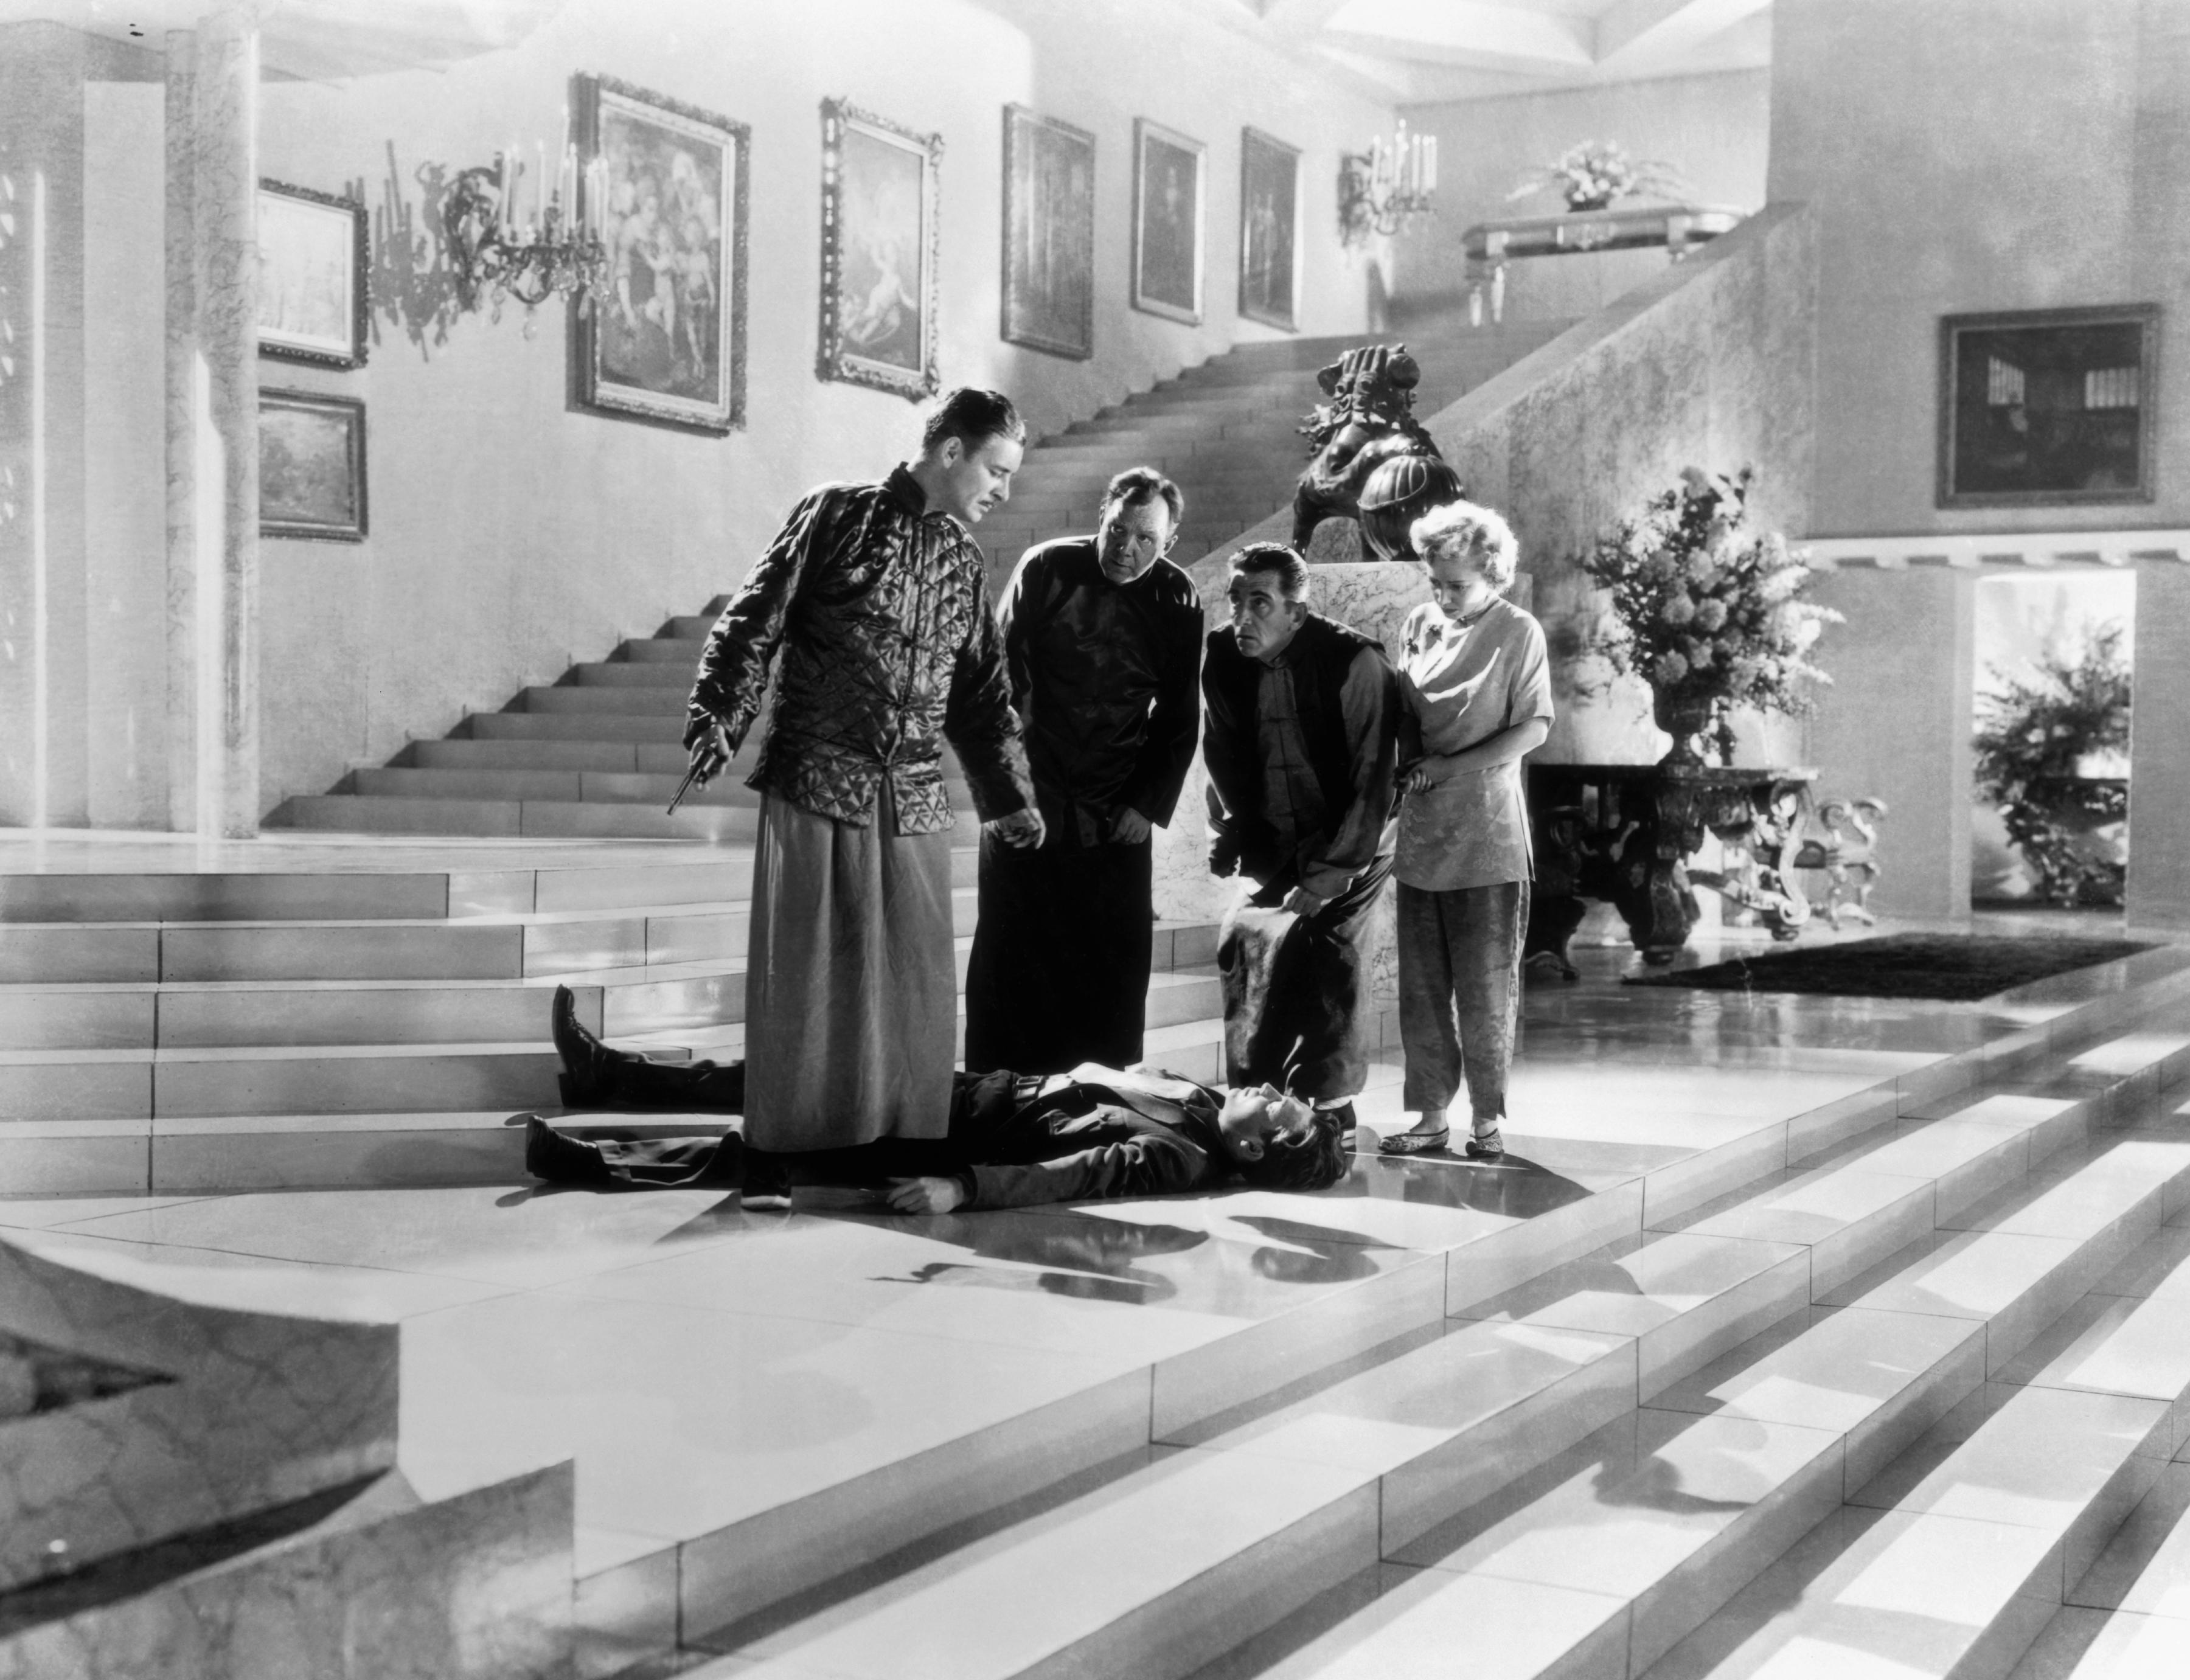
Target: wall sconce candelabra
(508, 237)
(1383, 189)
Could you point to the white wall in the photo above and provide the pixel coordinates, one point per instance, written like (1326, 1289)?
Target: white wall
(1977, 155)
(511, 533)
(1712, 128)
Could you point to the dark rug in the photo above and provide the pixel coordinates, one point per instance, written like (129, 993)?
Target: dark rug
(1958, 967)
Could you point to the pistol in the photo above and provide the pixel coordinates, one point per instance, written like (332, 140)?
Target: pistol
(691, 781)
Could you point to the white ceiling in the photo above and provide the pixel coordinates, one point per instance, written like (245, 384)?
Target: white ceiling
(1422, 51)
(317, 39)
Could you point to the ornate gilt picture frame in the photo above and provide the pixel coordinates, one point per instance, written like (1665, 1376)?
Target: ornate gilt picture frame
(1049, 234)
(1269, 228)
(311, 466)
(879, 252)
(313, 294)
(1170, 205)
(669, 343)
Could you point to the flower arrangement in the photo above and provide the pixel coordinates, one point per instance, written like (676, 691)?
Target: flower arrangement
(1707, 611)
(1594, 174)
(2032, 751)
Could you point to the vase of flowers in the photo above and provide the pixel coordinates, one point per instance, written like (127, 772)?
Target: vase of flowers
(1708, 611)
(1596, 173)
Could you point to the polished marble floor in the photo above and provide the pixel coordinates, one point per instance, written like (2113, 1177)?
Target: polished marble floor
(704, 1363)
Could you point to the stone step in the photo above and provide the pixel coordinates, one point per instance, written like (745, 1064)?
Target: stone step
(602, 673)
(651, 787)
(1985, 1527)
(641, 729)
(660, 758)
(658, 701)
(1439, 1428)
(268, 896)
(1631, 1539)
(365, 814)
(680, 650)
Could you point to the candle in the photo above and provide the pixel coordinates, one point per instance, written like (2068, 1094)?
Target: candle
(540, 185)
(1434, 144)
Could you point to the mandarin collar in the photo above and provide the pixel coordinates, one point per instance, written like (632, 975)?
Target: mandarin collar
(903, 489)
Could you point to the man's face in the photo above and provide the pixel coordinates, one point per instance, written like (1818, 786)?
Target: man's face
(1251, 1119)
(975, 480)
(1262, 620)
(1132, 537)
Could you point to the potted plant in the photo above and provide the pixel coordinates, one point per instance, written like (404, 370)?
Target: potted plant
(1707, 611)
(2038, 745)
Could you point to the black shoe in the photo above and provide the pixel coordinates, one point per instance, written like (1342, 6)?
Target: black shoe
(765, 1185)
(588, 1079)
(550, 1155)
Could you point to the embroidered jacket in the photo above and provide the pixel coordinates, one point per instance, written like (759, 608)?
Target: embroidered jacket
(881, 611)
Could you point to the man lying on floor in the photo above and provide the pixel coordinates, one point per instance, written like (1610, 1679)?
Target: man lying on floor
(1014, 1139)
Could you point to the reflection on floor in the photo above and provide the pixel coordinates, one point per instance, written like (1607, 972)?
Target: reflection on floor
(1793, 1334)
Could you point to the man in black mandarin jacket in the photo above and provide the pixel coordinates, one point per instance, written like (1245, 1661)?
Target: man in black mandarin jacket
(1101, 641)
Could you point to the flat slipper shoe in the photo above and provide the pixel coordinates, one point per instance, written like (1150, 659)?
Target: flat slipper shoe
(1414, 1142)
(1486, 1146)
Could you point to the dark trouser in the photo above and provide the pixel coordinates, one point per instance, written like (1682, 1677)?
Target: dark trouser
(990, 1121)
(1296, 1008)
(1460, 948)
(1059, 972)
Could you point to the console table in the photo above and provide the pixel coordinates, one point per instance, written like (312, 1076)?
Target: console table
(1489, 246)
(1624, 834)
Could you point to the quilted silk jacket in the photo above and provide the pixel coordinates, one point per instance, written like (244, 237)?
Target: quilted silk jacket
(881, 612)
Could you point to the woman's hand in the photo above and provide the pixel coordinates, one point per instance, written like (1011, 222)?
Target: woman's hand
(1415, 780)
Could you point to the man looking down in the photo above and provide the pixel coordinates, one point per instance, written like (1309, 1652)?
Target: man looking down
(876, 598)
(1101, 640)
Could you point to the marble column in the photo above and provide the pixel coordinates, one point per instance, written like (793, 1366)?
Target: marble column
(2159, 749)
(186, 402)
(212, 418)
(44, 777)
(1896, 723)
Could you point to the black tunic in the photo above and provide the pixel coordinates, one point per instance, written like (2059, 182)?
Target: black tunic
(1104, 676)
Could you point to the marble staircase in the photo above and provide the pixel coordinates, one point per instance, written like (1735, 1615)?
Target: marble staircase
(597, 753)
(1874, 1389)
(325, 1025)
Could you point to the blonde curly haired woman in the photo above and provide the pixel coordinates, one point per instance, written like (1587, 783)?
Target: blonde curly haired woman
(1475, 692)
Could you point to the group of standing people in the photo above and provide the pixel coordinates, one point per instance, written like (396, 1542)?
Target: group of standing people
(1074, 711)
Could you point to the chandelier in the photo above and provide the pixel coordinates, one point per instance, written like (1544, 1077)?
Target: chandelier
(510, 236)
(1383, 189)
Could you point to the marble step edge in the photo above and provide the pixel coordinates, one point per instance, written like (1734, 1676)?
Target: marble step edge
(390, 813)
(405, 894)
(1533, 1244)
(2016, 1512)
(1306, 1444)
(1587, 1226)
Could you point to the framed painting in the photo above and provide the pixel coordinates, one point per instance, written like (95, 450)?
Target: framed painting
(1169, 203)
(2048, 407)
(311, 466)
(1269, 222)
(311, 276)
(878, 251)
(1049, 234)
(668, 344)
